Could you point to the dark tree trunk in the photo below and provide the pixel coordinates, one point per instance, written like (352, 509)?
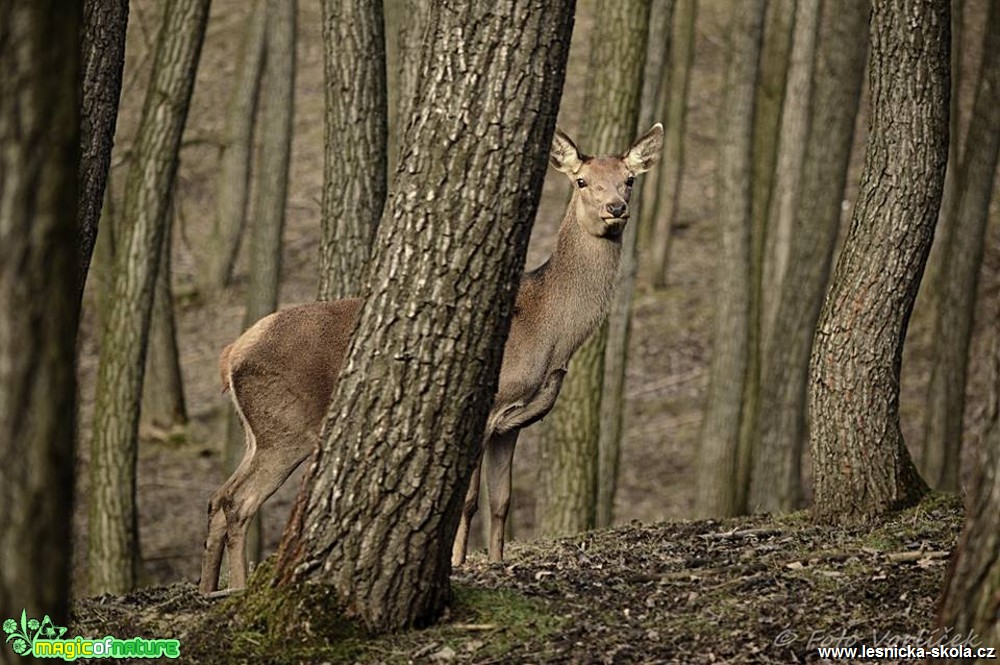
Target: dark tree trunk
(381, 504)
(354, 171)
(958, 275)
(39, 304)
(102, 58)
(970, 601)
(571, 443)
(720, 431)
(860, 463)
(113, 539)
(841, 47)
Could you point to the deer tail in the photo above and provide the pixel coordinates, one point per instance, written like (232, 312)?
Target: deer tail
(224, 367)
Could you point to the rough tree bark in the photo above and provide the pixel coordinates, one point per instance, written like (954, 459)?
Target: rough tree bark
(841, 49)
(720, 430)
(102, 58)
(113, 541)
(860, 463)
(571, 440)
(957, 279)
(382, 501)
(39, 304)
(356, 158)
(970, 602)
(233, 190)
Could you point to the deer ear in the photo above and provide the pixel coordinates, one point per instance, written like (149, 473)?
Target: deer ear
(646, 151)
(564, 155)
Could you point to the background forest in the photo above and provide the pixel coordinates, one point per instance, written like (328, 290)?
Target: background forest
(735, 247)
(180, 466)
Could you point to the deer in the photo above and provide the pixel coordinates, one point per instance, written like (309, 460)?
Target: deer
(281, 372)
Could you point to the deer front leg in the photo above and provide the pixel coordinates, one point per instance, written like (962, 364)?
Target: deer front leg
(499, 455)
(469, 508)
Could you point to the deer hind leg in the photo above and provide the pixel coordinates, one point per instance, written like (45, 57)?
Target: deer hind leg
(215, 540)
(499, 457)
(274, 460)
(278, 439)
(469, 508)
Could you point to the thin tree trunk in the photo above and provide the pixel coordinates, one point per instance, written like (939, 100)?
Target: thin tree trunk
(277, 111)
(39, 304)
(970, 603)
(102, 58)
(787, 176)
(720, 432)
(620, 316)
(674, 98)
(233, 183)
(841, 48)
(113, 533)
(958, 278)
(354, 171)
(571, 442)
(860, 463)
(770, 244)
(360, 527)
(163, 407)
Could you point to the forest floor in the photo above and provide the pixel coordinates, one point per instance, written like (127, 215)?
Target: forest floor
(749, 590)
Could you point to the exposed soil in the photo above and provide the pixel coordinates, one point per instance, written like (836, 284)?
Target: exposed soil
(754, 590)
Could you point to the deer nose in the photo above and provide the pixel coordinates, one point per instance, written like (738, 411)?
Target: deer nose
(617, 209)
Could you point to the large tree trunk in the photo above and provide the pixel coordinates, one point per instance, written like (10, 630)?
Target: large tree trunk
(841, 47)
(354, 171)
(113, 540)
(233, 190)
(666, 195)
(958, 276)
(381, 505)
(971, 598)
(720, 431)
(860, 463)
(102, 58)
(39, 304)
(571, 442)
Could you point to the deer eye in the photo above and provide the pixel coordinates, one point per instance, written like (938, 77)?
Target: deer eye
(581, 183)
(629, 181)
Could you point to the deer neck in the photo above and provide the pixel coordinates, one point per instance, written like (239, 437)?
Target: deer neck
(579, 281)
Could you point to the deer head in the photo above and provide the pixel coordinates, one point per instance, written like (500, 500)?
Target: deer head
(603, 185)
